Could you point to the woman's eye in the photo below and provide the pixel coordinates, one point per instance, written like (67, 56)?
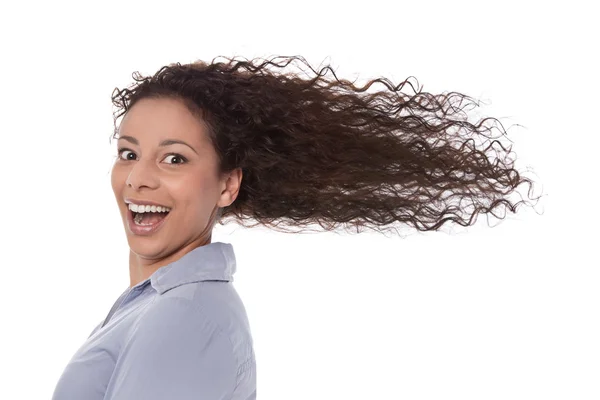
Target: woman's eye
(124, 151)
(176, 156)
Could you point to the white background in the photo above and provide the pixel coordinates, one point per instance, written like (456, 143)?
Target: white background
(500, 310)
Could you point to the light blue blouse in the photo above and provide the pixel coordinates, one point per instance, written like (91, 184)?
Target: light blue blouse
(181, 334)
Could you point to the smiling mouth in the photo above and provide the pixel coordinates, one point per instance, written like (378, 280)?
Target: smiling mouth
(155, 216)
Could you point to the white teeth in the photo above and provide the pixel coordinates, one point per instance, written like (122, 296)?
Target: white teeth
(141, 209)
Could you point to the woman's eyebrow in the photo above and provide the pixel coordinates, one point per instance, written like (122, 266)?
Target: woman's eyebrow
(166, 142)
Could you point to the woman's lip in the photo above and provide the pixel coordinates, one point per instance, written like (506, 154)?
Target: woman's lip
(143, 230)
(142, 202)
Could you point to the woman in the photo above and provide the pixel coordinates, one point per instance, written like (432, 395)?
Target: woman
(201, 142)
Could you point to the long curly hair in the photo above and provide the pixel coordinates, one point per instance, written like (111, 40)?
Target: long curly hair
(322, 150)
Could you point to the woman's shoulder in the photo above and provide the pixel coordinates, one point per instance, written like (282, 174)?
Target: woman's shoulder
(206, 305)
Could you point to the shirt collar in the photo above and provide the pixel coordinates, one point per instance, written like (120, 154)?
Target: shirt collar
(213, 261)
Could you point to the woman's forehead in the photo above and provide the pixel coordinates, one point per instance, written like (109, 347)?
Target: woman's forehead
(162, 119)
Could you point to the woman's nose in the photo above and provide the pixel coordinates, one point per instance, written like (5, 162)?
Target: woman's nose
(142, 174)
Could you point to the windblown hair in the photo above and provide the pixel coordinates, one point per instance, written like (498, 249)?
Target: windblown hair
(325, 151)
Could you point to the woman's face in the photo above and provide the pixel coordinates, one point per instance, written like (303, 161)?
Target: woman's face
(181, 176)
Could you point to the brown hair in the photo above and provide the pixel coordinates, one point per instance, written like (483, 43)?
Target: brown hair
(325, 151)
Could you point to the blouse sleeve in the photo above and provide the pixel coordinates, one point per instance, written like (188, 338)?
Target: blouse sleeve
(174, 352)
